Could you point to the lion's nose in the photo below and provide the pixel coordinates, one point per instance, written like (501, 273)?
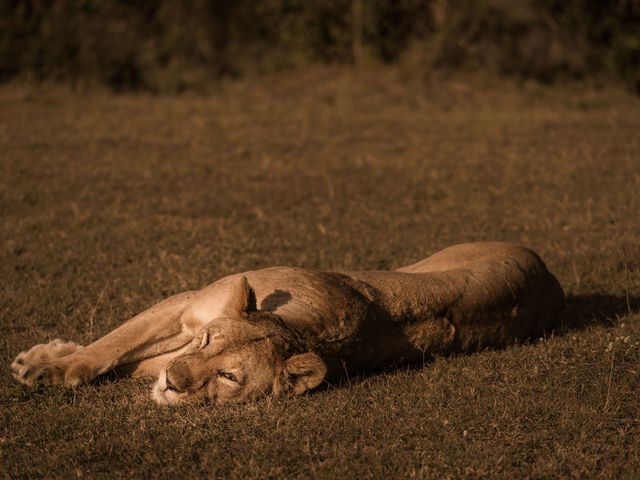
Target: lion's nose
(178, 378)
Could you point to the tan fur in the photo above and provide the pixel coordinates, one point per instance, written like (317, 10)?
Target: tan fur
(284, 330)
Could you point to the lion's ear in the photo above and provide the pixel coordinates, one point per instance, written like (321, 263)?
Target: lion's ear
(301, 373)
(241, 297)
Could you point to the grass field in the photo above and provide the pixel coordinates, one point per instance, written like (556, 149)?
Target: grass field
(110, 203)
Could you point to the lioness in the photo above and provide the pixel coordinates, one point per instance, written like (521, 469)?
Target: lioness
(284, 330)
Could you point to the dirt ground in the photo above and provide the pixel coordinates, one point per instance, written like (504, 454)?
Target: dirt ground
(110, 203)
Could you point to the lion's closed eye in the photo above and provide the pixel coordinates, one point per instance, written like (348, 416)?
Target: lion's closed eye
(229, 376)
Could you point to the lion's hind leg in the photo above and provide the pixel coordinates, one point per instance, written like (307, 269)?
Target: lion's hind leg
(31, 366)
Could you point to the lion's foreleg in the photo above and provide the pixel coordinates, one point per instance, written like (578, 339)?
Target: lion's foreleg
(152, 333)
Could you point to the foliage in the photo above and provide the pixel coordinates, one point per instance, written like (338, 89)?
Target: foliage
(178, 44)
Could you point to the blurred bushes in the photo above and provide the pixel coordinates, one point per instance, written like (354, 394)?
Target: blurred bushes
(173, 45)
(540, 39)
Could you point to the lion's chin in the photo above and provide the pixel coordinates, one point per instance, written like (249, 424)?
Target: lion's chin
(158, 395)
(161, 395)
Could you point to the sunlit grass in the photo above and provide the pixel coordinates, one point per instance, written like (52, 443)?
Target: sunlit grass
(110, 203)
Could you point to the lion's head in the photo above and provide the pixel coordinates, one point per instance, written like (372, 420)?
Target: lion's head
(242, 354)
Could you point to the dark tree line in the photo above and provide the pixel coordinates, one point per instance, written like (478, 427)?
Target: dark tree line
(170, 45)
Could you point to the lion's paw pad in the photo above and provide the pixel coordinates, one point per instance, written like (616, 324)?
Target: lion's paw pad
(35, 365)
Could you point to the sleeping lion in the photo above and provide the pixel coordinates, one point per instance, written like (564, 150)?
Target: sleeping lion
(283, 331)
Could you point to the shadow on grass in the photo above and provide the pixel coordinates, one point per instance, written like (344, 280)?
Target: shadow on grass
(583, 311)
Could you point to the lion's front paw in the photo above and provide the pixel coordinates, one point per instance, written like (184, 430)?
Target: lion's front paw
(50, 364)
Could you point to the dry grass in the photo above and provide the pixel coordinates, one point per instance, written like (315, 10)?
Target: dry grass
(110, 203)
